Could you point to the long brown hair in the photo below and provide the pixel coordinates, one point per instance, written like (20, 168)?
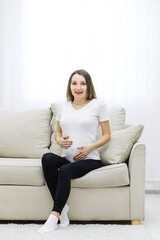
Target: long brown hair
(91, 94)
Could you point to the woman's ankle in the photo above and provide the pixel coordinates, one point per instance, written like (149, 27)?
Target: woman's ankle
(55, 214)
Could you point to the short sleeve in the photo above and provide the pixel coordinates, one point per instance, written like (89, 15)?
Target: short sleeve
(103, 112)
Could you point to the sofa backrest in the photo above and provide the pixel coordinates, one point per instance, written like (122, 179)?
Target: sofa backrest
(25, 134)
(30, 133)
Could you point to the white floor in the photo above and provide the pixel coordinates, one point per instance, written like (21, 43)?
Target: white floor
(152, 215)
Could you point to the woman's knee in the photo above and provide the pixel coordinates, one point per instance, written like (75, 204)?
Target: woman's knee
(47, 158)
(64, 170)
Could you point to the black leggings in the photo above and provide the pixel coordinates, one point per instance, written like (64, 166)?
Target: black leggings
(58, 172)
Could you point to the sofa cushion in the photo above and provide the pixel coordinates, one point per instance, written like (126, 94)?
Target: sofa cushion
(21, 171)
(25, 134)
(117, 150)
(107, 176)
(28, 172)
(117, 117)
(54, 109)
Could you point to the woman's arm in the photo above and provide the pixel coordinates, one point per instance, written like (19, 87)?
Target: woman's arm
(106, 135)
(61, 140)
(58, 132)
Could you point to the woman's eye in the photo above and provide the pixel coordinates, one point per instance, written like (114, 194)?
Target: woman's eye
(76, 83)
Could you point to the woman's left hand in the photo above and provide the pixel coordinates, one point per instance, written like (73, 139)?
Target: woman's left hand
(83, 152)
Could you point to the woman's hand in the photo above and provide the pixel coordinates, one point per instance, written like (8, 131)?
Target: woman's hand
(83, 152)
(63, 142)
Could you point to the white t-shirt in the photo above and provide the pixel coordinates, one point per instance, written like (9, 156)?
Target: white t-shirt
(81, 126)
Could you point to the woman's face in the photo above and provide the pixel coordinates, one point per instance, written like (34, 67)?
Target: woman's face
(78, 87)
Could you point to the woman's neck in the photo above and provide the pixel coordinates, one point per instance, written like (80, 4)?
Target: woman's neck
(79, 101)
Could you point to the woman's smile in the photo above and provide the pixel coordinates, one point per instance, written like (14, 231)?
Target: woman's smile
(78, 92)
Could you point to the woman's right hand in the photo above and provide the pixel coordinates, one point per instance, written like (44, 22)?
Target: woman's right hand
(63, 142)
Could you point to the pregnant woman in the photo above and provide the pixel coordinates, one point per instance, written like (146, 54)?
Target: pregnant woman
(78, 119)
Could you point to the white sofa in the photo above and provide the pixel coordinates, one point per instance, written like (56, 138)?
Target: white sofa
(113, 192)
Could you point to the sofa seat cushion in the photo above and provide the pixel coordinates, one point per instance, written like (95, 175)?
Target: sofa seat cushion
(28, 172)
(106, 176)
(21, 171)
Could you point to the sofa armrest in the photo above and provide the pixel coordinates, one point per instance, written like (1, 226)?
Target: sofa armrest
(136, 167)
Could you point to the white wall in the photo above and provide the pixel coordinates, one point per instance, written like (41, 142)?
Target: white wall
(117, 42)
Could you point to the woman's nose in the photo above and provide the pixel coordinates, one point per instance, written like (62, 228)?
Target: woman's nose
(78, 87)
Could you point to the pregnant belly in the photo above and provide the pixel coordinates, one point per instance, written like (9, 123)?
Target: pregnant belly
(70, 153)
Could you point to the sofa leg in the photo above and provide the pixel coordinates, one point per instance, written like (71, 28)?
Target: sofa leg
(135, 222)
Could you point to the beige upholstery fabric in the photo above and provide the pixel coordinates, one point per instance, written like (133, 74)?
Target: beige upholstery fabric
(109, 203)
(137, 181)
(99, 204)
(55, 148)
(119, 147)
(25, 134)
(107, 176)
(21, 171)
(35, 203)
(112, 192)
(54, 109)
(117, 116)
(28, 172)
